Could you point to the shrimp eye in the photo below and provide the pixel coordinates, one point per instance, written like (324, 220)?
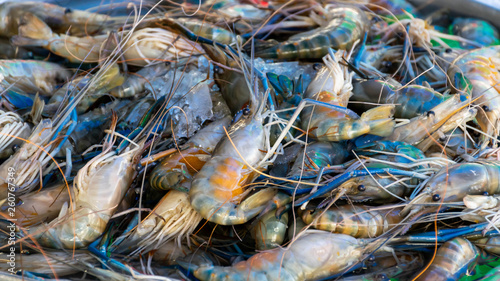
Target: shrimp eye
(443, 138)
(361, 187)
(448, 50)
(386, 63)
(138, 167)
(486, 193)
(218, 69)
(246, 111)
(371, 258)
(381, 277)
(15, 147)
(317, 66)
(485, 108)
(436, 197)
(67, 11)
(430, 112)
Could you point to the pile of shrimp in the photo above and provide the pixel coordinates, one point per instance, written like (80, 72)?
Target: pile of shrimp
(248, 140)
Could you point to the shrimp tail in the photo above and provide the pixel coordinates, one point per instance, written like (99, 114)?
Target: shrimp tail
(34, 32)
(380, 120)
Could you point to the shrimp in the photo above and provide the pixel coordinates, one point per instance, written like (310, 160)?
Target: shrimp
(32, 77)
(177, 169)
(35, 32)
(443, 118)
(409, 101)
(98, 189)
(30, 159)
(59, 18)
(452, 184)
(378, 188)
(332, 85)
(345, 26)
(218, 189)
(12, 126)
(358, 221)
(173, 218)
(143, 47)
(312, 256)
(368, 189)
(479, 69)
(453, 260)
(269, 231)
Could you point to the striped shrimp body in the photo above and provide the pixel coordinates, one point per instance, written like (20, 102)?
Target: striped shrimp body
(358, 221)
(177, 169)
(332, 85)
(452, 184)
(477, 71)
(203, 29)
(32, 76)
(346, 26)
(453, 260)
(98, 189)
(313, 255)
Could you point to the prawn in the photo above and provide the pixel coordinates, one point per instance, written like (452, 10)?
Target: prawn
(344, 26)
(332, 85)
